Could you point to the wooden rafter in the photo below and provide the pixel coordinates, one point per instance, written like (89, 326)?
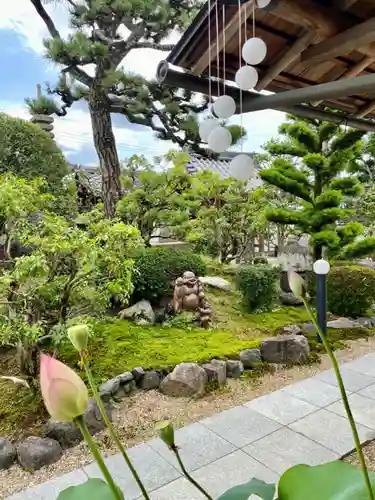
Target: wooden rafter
(365, 110)
(291, 54)
(344, 4)
(341, 44)
(231, 29)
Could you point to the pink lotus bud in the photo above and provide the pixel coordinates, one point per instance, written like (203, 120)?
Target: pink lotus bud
(297, 284)
(64, 392)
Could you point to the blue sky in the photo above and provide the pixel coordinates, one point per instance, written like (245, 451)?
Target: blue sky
(24, 66)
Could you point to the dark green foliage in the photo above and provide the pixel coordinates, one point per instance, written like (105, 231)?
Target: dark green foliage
(26, 151)
(351, 290)
(259, 286)
(156, 268)
(320, 195)
(260, 260)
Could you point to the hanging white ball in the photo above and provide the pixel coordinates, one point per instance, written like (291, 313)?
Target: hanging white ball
(224, 107)
(254, 51)
(246, 77)
(242, 167)
(262, 3)
(219, 140)
(206, 127)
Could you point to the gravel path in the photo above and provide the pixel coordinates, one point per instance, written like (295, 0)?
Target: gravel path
(135, 418)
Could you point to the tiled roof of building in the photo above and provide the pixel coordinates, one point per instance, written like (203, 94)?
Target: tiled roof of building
(221, 166)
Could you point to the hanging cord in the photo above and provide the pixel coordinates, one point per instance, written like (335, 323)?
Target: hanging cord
(217, 49)
(240, 60)
(224, 62)
(253, 18)
(209, 54)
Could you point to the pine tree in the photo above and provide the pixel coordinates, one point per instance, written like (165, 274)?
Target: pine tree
(310, 163)
(96, 41)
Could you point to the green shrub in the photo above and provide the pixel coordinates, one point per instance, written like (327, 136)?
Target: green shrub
(156, 268)
(259, 286)
(27, 151)
(351, 290)
(260, 260)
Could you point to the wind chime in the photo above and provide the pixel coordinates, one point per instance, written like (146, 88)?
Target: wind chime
(251, 51)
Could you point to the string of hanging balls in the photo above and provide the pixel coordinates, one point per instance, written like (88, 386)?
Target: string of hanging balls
(211, 131)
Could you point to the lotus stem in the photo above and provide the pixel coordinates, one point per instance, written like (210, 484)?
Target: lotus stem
(187, 475)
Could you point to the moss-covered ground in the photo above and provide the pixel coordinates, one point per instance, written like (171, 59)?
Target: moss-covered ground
(117, 346)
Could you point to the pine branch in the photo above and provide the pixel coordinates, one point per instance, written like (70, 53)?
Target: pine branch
(151, 45)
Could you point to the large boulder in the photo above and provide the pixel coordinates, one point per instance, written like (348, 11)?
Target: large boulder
(8, 453)
(285, 349)
(140, 313)
(36, 452)
(68, 434)
(250, 358)
(187, 379)
(216, 282)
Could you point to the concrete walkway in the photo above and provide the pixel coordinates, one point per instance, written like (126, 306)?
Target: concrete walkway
(301, 423)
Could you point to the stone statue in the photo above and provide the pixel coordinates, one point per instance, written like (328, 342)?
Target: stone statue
(189, 295)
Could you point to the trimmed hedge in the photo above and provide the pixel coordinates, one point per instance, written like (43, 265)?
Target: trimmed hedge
(259, 285)
(156, 268)
(350, 290)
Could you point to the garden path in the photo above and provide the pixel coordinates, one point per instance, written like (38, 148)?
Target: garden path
(301, 423)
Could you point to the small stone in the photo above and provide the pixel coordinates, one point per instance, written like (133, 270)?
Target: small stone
(129, 387)
(140, 313)
(109, 388)
(187, 379)
(234, 368)
(138, 373)
(216, 282)
(291, 330)
(216, 372)
(308, 328)
(36, 452)
(124, 378)
(68, 434)
(343, 323)
(8, 453)
(285, 349)
(289, 299)
(250, 358)
(150, 380)
(120, 394)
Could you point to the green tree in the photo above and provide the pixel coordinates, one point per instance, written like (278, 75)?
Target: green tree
(170, 112)
(309, 164)
(28, 152)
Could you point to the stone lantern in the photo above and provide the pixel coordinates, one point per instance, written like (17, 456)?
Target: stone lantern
(44, 120)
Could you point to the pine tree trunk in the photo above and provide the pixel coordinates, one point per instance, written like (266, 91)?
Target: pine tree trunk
(105, 145)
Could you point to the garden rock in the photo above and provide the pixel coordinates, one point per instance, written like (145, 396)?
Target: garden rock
(8, 453)
(140, 313)
(289, 299)
(308, 328)
(187, 379)
(138, 373)
(109, 388)
(150, 380)
(216, 282)
(68, 434)
(234, 368)
(216, 371)
(36, 452)
(366, 322)
(285, 349)
(125, 377)
(344, 323)
(291, 330)
(250, 358)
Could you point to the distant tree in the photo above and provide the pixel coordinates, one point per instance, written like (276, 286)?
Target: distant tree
(310, 164)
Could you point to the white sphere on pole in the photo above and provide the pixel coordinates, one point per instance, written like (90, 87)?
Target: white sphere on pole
(246, 77)
(321, 266)
(206, 127)
(254, 51)
(224, 107)
(219, 139)
(262, 3)
(242, 167)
